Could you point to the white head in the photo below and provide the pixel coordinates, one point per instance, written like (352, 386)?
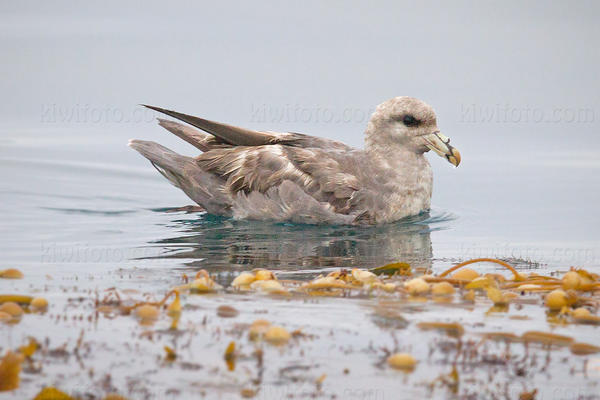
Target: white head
(409, 124)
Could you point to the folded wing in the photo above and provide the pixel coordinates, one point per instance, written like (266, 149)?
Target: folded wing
(246, 169)
(246, 160)
(224, 135)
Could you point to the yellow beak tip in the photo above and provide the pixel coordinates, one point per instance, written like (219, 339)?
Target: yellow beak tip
(454, 158)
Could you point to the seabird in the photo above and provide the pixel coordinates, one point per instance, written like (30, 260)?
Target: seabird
(293, 177)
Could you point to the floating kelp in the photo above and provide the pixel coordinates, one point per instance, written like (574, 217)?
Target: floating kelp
(12, 309)
(269, 286)
(230, 356)
(174, 309)
(11, 273)
(147, 314)
(502, 337)
(584, 349)
(170, 354)
(217, 329)
(556, 299)
(264, 275)
(261, 280)
(452, 329)
(417, 286)
(277, 335)
(328, 282)
(517, 276)
(38, 304)
(114, 396)
(243, 280)
(29, 349)
(483, 283)
(465, 274)
(364, 277)
(402, 361)
(15, 298)
(227, 311)
(546, 338)
(10, 369)
(584, 316)
(203, 283)
(571, 280)
(258, 329)
(398, 268)
(499, 297)
(442, 289)
(52, 393)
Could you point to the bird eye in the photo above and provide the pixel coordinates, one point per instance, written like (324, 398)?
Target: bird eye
(409, 120)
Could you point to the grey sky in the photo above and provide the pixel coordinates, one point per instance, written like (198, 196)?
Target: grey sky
(224, 61)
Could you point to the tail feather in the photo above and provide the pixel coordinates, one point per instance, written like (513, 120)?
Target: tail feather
(184, 173)
(167, 162)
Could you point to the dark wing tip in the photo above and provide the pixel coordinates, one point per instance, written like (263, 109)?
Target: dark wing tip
(228, 133)
(162, 110)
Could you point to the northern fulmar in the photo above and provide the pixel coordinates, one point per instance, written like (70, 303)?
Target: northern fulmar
(293, 177)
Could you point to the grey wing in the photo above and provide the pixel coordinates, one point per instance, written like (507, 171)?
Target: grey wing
(319, 173)
(245, 161)
(222, 135)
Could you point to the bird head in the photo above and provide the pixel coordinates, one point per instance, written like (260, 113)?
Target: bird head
(410, 123)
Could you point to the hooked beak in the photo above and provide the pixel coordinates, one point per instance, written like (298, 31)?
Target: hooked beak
(441, 145)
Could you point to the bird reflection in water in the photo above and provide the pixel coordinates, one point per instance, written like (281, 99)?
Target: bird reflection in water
(224, 247)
